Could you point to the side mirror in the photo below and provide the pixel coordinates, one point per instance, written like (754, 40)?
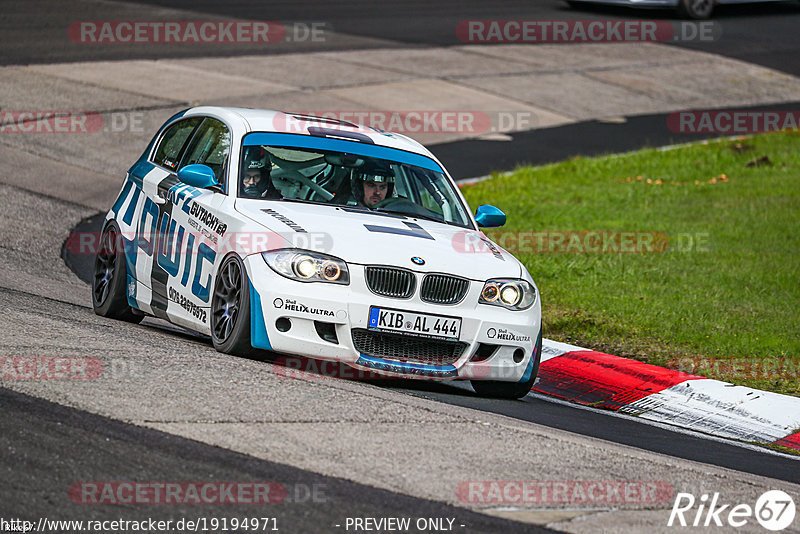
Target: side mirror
(199, 176)
(489, 217)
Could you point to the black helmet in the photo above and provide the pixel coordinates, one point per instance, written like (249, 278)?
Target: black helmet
(257, 158)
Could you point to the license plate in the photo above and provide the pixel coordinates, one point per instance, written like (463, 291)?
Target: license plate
(418, 324)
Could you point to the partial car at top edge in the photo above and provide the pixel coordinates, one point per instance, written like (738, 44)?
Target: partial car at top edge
(692, 9)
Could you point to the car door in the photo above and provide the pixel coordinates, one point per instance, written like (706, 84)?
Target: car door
(192, 228)
(142, 213)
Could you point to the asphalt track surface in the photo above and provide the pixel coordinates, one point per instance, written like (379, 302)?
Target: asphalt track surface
(32, 30)
(112, 450)
(619, 429)
(762, 34)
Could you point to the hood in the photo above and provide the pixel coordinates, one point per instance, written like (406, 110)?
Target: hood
(369, 238)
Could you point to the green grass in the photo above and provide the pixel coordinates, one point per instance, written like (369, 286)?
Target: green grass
(727, 309)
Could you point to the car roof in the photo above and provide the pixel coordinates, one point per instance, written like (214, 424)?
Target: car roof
(265, 120)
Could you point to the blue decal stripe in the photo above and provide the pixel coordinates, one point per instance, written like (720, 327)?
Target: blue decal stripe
(199, 290)
(146, 242)
(130, 292)
(187, 264)
(340, 145)
(126, 188)
(168, 254)
(441, 371)
(139, 171)
(258, 327)
(129, 248)
(398, 231)
(127, 218)
(529, 369)
(159, 274)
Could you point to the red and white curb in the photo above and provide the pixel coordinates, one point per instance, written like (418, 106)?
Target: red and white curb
(665, 396)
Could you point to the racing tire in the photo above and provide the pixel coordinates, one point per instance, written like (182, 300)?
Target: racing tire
(696, 9)
(110, 277)
(230, 309)
(510, 390)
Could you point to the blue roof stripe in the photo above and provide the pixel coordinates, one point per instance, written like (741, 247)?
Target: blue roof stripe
(340, 145)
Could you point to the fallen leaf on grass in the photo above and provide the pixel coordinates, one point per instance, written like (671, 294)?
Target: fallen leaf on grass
(739, 147)
(759, 162)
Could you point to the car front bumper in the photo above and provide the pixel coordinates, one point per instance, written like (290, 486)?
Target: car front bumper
(345, 310)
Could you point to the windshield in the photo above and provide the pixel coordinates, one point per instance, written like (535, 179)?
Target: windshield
(337, 172)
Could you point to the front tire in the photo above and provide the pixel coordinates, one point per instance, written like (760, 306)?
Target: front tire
(696, 9)
(109, 282)
(230, 309)
(510, 390)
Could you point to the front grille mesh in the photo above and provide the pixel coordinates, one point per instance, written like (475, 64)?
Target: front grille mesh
(405, 348)
(443, 289)
(391, 282)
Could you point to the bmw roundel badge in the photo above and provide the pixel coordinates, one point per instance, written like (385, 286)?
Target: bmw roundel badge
(418, 260)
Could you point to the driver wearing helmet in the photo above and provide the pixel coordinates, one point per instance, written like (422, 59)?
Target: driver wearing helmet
(256, 181)
(369, 189)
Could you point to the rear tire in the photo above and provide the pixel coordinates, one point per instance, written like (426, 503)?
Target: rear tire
(230, 309)
(510, 390)
(109, 282)
(696, 9)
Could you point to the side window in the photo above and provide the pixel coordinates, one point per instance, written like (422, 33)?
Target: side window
(168, 152)
(210, 146)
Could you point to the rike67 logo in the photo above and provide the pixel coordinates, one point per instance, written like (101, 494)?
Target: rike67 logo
(774, 510)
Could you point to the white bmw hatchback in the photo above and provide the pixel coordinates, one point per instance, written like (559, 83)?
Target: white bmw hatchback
(319, 238)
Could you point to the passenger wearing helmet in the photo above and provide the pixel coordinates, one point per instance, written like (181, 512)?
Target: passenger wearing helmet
(256, 181)
(369, 189)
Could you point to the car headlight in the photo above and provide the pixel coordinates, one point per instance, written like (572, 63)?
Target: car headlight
(307, 266)
(509, 293)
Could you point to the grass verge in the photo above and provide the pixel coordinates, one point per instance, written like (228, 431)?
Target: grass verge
(687, 258)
